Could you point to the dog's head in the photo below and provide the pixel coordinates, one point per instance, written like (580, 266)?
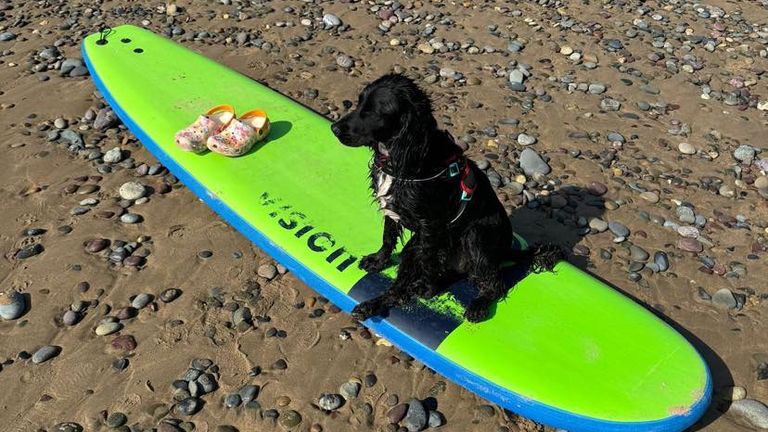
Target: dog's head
(389, 112)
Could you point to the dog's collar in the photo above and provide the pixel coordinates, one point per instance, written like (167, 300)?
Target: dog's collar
(456, 165)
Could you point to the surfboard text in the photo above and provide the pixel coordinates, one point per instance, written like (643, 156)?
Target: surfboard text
(316, 240)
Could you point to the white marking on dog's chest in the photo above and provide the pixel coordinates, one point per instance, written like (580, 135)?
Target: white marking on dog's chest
(384, 184)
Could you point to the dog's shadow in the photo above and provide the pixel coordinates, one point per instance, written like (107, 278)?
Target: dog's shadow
(545, 224)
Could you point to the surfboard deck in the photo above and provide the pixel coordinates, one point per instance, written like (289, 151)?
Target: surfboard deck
(563, 348)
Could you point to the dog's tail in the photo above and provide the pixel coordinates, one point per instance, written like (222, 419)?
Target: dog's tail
(538, 257)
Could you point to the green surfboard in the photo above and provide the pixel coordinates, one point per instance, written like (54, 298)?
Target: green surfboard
(563, 348)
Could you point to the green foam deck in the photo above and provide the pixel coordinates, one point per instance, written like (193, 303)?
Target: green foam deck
(563, 348)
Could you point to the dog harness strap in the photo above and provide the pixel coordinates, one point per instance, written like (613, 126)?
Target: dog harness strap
(468, 183)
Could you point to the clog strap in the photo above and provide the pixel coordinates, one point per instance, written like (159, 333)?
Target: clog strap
(218, 108)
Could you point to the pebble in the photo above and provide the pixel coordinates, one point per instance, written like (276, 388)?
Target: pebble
(370, 380)
(124, 343)
(724, 299)
(734, 393)
(344, 61)
(74, 138)
(232, 400)
(248, 393)
(636, 253)
(207, 382)
(141, 300)
(685, 214)
(616, 137)
(686, 148)
(515, 188)
(661, 260)
(651, 197)
(116, 419)
(618, 229)
(436, 419)
(12, 304)
(597, 188)
(96, 245)
(350, 389)
(688, 231)
(108, 328)
(609, 104)
(750, 413)
(170, 295)
(7, 36)
(532, 164)
(29, 251)
(516, 77)
(67, 427)
(761, 183)
(267, 271)
(598, 224)
(132, 191)
(113, 156)
(70, 318)
(331, 20)
(416, 417)
(126, 313)
(201, 364)
(189, 406)
(105, 119)
(330, 402)
(397, 413)
(744, 153)
(581, 250)
(45, 353)
(525, 139)
(130, 218)
(690, 245)
(120, 364)
(596, 88)
(30, 232)
(290, 419)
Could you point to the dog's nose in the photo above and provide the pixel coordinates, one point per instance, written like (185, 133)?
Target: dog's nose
(336, 129)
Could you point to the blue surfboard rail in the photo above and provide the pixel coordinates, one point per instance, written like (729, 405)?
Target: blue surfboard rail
(486, 389)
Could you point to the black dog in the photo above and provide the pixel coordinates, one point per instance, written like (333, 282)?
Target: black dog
(423, 183)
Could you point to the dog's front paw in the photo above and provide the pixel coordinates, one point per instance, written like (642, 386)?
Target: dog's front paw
(374, 262)
(478, 310)
(368, 308)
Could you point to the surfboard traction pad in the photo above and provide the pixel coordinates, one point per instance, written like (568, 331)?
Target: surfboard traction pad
(563, 348)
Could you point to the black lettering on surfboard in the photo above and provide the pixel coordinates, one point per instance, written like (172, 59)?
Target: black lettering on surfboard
(304, 230)
(312, 241)
(318, 242)
(293, 220)
(344, 264)
(266, 200)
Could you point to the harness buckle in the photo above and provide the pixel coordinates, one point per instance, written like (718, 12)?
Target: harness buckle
(466, 196)
(453, 169)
